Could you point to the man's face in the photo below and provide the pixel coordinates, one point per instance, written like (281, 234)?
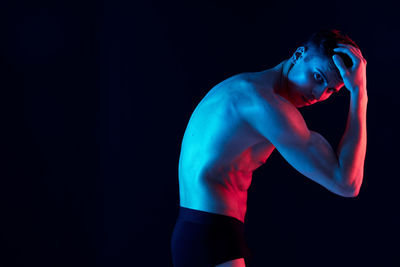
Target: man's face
(312, 79)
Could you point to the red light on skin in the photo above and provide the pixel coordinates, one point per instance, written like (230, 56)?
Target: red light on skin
(305, 100)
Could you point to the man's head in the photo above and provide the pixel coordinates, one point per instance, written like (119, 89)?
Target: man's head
(312, 73)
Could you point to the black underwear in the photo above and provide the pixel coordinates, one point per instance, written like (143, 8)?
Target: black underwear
(204, 239)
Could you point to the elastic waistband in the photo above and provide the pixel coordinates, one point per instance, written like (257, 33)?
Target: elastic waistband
(199, 216)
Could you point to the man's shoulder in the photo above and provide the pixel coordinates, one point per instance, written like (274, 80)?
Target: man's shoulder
(258, 99)
(240, 86)
(251, 90)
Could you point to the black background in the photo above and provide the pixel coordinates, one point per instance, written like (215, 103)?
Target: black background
(95, 98)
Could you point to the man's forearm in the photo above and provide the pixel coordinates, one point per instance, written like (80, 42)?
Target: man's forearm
(352, 147)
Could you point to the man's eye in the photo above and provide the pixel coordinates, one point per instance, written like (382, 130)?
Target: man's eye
(318, 77)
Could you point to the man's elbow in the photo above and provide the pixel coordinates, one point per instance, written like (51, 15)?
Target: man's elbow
(350, 192)
(350, 189)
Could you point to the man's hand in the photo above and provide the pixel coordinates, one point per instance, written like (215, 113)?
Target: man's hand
(354, 78)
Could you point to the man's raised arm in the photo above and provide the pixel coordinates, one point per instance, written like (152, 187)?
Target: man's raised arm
(352, 147)
(307, 151)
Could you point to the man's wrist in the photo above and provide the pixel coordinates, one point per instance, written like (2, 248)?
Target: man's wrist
(359, 92)
(358, 101)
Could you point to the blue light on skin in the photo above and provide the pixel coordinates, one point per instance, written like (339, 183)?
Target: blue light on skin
(312, 78)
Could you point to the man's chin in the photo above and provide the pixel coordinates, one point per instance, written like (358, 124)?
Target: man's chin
(302, 105)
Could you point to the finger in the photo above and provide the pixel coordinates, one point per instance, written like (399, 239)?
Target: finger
(352, 48)
(340, 65)
(356, 51)
(356, 60)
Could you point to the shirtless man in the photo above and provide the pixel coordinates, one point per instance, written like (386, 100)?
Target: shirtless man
(239, 123)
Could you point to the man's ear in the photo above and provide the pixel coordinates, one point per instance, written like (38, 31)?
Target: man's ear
(298, 54)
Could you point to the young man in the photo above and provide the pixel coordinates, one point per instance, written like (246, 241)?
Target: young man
(238, 124)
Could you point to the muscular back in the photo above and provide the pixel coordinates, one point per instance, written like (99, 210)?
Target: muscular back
(219, 153)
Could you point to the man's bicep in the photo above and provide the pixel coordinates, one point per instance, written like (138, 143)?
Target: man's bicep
(307, 151)
(316, 160)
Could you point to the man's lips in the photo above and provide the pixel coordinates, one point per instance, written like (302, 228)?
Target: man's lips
(306, 100)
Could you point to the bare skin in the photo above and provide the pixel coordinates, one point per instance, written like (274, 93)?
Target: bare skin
(239, 123)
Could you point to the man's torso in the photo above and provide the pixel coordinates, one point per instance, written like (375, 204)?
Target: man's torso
(219, 151)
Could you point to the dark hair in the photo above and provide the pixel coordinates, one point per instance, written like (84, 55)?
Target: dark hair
(326, 40)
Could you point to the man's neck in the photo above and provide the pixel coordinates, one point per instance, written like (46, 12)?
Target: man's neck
(281, 84)
(275, 78)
